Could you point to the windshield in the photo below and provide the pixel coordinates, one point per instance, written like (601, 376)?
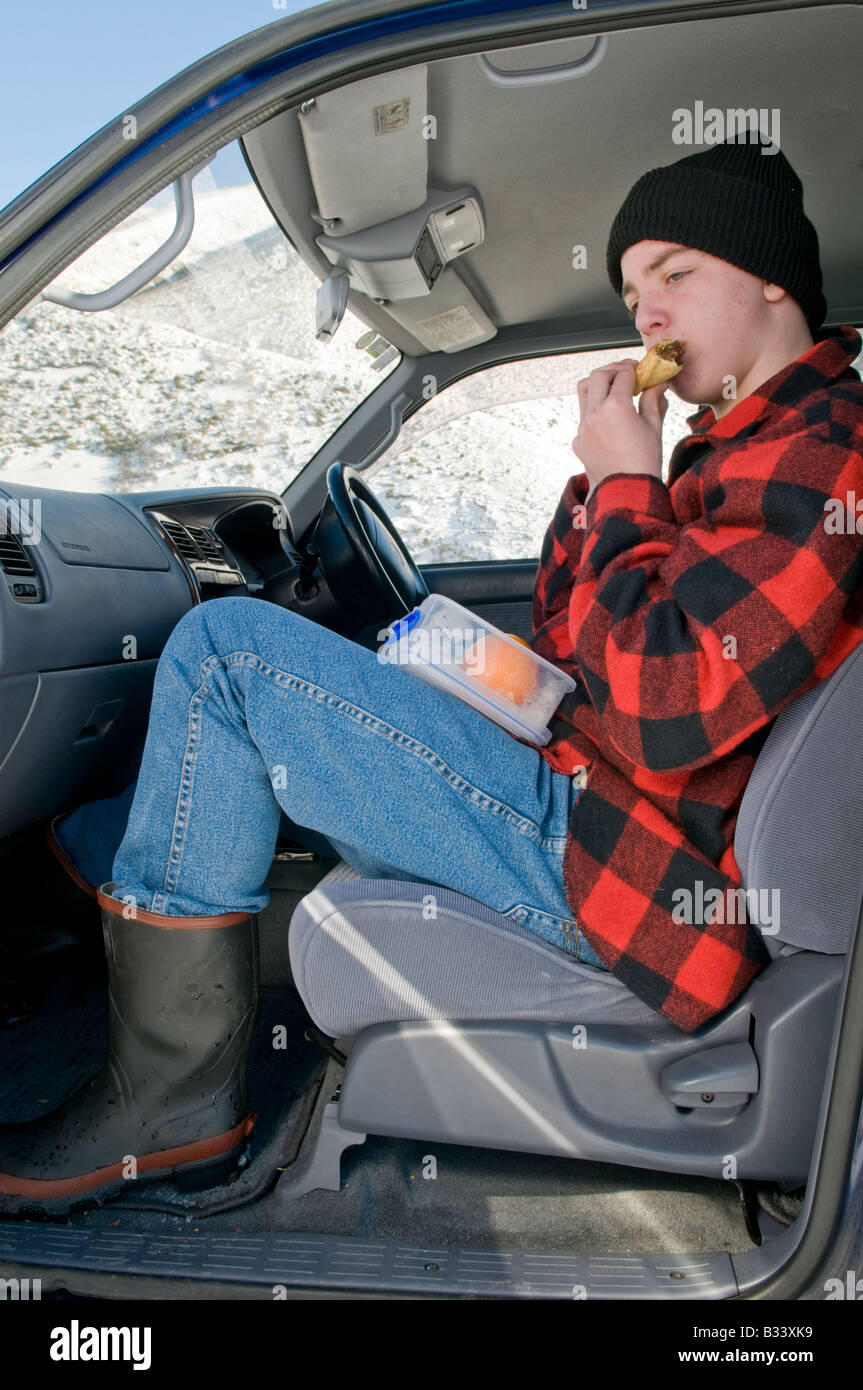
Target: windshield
(210, 374)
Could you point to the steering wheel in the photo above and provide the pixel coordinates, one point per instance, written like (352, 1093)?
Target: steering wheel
(366, 563)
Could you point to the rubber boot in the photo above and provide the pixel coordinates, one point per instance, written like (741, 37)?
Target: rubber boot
(77, 909)
(172, 1095)
(77, 889)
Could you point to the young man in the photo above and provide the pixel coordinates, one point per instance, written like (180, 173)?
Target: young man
(690, 613)
(693, 611)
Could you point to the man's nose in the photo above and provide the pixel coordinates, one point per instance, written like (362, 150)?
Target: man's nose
(650, 316)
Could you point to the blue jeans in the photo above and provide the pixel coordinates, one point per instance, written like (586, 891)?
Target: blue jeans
(256, 710)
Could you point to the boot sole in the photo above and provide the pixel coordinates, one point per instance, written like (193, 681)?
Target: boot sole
(194, 1166)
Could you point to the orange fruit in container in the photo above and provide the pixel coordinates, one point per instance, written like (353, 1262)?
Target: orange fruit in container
(502, 668)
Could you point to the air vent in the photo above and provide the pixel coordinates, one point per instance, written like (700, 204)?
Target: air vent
(207, 542)
(181, 539)
(13, 557)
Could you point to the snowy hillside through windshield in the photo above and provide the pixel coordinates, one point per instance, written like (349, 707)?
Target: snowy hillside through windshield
(210, 374)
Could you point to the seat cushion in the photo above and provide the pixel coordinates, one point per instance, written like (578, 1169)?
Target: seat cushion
(370, 950)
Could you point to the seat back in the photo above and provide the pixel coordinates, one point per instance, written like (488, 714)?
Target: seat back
(798, 828)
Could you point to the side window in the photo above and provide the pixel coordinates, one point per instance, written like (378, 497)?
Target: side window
(477, 473)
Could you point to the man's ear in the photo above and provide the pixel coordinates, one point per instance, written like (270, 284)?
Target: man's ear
(773, 293)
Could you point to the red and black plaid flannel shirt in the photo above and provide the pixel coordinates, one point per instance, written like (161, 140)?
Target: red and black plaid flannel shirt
(691, 614)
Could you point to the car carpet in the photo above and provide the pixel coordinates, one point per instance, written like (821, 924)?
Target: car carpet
(55, 1051)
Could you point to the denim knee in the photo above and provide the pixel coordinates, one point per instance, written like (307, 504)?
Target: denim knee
(229, 615)
(220, 623)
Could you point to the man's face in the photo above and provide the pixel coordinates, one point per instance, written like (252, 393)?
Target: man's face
(716, 310)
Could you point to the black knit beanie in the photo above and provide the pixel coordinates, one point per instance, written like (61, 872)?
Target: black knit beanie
(733, 202)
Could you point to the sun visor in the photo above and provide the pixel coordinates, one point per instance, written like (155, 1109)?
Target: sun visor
(366, 151)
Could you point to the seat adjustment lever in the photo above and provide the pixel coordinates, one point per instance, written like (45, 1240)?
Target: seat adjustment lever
(717, 1078)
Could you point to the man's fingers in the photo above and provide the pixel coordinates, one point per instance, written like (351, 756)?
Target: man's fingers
(654, 404)
(614, 377)
(624, 378)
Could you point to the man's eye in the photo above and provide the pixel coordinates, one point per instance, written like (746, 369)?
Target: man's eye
(670, 276)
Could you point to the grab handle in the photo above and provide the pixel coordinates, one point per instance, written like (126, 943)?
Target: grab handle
(533, 77)
(162, 257)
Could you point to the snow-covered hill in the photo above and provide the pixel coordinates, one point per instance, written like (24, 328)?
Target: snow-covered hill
(211, 373)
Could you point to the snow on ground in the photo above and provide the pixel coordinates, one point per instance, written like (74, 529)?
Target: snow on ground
(500, 471)
(212, 374)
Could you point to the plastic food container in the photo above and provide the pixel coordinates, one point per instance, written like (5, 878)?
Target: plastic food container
(452, 648)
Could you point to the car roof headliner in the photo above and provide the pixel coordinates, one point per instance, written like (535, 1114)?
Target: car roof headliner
(552, 162)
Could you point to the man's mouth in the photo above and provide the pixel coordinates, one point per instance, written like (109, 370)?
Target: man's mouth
(661, 363)
(671, 350)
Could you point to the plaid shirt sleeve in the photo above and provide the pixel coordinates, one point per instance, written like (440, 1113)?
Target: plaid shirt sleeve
(692, 635)
(559, 559)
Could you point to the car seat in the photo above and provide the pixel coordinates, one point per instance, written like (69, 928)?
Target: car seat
(459, 1026)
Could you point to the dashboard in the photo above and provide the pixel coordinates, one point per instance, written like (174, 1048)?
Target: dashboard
(91, 587)
(234, 549)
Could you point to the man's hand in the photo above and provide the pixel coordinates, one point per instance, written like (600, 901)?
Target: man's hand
(614, 437)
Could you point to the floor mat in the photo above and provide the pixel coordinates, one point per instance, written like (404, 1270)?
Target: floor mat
(47, 1058)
